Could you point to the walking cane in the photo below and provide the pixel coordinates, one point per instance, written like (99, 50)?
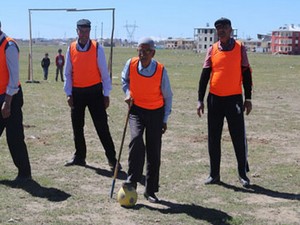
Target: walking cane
(119, 157)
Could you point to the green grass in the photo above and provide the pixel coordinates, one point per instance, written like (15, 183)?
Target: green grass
(77, 195)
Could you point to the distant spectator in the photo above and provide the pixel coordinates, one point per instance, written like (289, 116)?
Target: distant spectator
(60, 62)
(45, 65)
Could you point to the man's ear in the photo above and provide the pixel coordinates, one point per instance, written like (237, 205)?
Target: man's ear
(153, 53)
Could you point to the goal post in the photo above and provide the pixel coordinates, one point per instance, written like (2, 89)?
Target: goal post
(110, 58)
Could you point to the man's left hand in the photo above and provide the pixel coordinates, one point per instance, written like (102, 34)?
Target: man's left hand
(5, 110)
(164, 128)
(106, 102)
(247, 107)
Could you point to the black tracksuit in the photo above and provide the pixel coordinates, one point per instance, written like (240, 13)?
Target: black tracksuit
(231, 108)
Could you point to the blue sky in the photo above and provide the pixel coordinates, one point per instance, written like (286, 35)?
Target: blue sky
(157, 18)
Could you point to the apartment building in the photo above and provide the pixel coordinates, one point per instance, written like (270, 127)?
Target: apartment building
(179, 43)
(286, 40)
(262, 44)
(205, 37)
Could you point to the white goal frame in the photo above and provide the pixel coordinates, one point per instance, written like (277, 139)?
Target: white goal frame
(30, 66)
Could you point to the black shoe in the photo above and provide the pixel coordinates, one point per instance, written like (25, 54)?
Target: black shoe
(151, 197)
(244, 181)
(112, 166)
(129, 184)
(212, 180)
(76, 161)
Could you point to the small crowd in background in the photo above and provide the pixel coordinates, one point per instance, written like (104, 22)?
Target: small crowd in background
(59, 62)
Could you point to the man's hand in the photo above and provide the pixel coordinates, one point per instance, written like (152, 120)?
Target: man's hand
(70, 101)
(5, 108)
(128, 100)
(200, 108)
(106, 102)
(247, 107)
(164, 128)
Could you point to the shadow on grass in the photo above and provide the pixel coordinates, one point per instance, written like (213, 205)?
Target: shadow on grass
(107, 173)
(36, 190)
(256, 189)
(213, 216)
(122, 175)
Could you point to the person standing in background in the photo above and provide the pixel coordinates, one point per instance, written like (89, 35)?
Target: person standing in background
(45, 63)
(60, 62)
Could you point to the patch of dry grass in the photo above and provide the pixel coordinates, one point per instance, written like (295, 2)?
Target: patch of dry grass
(77, 195)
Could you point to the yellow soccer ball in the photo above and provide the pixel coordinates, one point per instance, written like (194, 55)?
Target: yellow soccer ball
(127, 196)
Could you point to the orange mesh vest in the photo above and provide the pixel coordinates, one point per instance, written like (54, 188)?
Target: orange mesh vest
(146, 91)
(226, 76)
(4, 74)
(85, 68)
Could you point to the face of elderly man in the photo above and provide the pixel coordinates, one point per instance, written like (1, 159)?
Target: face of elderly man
(145, 54)
(83, 31)
(224, 29)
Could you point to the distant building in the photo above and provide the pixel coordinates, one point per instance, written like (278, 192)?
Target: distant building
(205, 37)
(261, 44)
(179, 43)
(265, 42)
(285, 40)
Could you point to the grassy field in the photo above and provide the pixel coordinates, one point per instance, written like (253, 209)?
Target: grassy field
(80, 196)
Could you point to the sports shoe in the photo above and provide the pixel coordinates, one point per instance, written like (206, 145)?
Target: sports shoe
(76, 161)
(244, 181)
(212, 180)
(151, 197)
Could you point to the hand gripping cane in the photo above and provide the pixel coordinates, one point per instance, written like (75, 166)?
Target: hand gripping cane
(119, 157)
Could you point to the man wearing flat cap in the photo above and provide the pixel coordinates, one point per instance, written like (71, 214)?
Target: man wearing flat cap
(84, 23)
(222, 21)
(88, 84)
(226, 68)
(11, 102)
(148, 93)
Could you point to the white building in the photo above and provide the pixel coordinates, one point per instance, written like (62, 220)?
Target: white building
(206, 36)
(179, 43)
